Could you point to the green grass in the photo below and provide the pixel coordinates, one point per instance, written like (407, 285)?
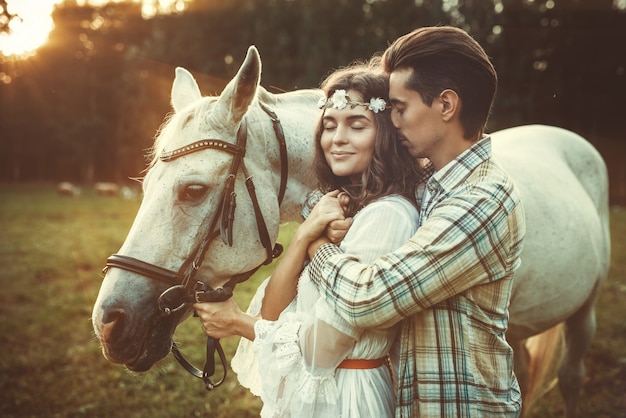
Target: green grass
(51, 255)
(51, 252)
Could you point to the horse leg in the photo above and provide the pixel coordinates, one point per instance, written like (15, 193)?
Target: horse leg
(533, 360)
(579, 332)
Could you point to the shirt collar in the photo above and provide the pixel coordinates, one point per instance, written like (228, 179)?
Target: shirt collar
(457, 170)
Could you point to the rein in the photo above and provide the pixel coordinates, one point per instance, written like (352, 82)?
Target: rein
(184, 289)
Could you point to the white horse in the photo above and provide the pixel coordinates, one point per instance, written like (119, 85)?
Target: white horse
(563, 181)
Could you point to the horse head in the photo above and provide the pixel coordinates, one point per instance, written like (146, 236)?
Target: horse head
(199, 221)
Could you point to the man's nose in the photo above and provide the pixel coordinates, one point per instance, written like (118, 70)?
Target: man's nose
(395, 119)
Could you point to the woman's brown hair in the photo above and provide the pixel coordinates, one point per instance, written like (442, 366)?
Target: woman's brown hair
(392, 170)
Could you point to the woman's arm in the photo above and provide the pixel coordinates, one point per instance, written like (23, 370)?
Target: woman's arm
(225, 319)
(283, 284)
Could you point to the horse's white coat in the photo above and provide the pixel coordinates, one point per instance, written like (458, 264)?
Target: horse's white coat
(562, 179)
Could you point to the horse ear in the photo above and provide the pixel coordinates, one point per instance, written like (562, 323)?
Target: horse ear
(241, 90)
(185, 89)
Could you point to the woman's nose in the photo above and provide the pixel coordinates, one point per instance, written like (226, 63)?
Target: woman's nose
(341, 135)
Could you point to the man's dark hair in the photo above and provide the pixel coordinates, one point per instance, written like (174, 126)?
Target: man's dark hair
(444, 57)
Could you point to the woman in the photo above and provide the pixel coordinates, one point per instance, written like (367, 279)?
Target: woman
(310, 361)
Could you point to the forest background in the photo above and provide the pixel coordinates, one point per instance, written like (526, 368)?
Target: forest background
(87, 105)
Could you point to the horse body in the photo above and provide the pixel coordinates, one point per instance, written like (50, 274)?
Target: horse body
(562, 180)
(566, 254)
(564, 191)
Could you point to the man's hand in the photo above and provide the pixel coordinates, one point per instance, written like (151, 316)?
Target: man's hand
(337, 230)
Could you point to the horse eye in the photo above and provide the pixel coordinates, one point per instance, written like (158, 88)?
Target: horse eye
(192, 192)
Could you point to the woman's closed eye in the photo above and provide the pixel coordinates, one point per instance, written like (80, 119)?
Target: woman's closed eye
(329, 126)
(358, 126)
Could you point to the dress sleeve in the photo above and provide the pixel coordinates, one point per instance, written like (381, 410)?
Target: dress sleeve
(302, 349)
(298, 356)
(245, 363)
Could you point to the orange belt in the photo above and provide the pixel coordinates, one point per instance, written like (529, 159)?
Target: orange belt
(362, 363)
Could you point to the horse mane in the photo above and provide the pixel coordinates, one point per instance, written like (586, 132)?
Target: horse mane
(282, 98)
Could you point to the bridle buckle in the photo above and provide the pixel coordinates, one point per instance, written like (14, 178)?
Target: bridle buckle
(199, 289)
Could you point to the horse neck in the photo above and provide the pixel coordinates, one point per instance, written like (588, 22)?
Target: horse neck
(298, 114)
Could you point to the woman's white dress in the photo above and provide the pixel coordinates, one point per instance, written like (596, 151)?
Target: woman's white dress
(292, 364)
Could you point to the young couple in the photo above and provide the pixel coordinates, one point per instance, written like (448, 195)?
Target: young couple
(423, 279)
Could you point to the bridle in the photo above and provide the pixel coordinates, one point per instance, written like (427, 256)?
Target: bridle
(185, 289)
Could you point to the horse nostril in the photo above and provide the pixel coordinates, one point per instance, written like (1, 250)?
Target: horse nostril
(112, 324)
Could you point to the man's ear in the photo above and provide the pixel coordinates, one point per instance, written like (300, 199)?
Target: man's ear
(450, 104)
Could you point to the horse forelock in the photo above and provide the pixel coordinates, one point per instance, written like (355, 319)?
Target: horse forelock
(201, 117)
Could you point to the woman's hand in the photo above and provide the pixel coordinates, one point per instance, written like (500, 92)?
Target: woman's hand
(224, 319)
(327, 210)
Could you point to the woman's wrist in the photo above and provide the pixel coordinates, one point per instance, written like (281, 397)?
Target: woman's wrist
(243, 325)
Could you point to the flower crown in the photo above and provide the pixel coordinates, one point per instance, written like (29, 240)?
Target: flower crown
(340, 99)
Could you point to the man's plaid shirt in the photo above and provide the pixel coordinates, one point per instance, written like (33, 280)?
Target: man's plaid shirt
(451, 286)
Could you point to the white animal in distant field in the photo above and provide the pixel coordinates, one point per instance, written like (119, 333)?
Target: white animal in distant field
(106, 189)
(65, 188)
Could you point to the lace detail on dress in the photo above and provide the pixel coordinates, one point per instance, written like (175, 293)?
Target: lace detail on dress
(315, 389)
(245, 363)
(290, 389)
(284, 336)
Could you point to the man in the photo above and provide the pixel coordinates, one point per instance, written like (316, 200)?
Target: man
(450, 284)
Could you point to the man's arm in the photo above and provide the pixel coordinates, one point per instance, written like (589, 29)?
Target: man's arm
(464, 242)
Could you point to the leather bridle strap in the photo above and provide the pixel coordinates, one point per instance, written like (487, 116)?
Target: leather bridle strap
(282, 143)
(212, 345)
(145, 269)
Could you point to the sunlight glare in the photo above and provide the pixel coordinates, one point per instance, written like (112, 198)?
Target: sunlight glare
(26, 26)
(149, 8)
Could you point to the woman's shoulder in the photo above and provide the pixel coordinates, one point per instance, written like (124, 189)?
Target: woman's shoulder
(393, 202)
(395, 209)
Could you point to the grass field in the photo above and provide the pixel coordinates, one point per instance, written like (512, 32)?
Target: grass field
(51, 252)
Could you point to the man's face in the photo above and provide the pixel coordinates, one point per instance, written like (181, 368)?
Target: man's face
(418, 123)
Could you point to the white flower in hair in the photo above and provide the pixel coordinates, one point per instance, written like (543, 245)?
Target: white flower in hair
(340, 100)
(377, 104)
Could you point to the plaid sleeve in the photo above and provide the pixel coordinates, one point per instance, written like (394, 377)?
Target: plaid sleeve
(466, 241)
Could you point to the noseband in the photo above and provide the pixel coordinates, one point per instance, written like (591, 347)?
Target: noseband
(184, 289)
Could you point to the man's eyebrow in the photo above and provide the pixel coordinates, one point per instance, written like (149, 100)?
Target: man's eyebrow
(395, 102)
